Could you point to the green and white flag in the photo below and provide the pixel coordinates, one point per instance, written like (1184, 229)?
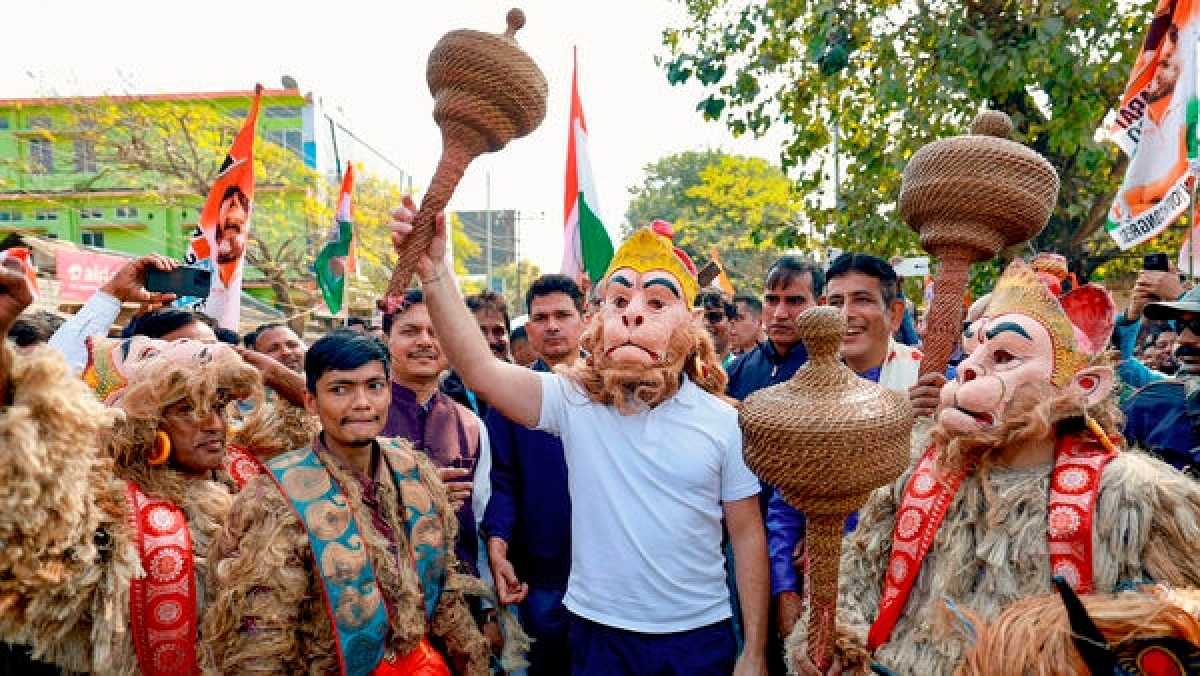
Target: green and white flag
(587, 248)
(337, 256)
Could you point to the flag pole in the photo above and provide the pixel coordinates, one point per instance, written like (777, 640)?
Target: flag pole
(1191, 234)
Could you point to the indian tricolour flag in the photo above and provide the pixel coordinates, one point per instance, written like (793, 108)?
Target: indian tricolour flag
(336, 257)
(587, 248)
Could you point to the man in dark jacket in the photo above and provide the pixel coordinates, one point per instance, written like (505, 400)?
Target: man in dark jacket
(528, 518)
(1164, 417)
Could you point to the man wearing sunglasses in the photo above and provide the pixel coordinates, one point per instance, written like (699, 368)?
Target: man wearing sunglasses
(1164, 417)
(718, 318)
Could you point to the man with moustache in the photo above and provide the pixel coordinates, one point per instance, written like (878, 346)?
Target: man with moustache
(867, 290)
(653, 452)
(282, 344)
(793, 285)
(1021, 479)
(231, 226)
(491, 313)
(339, 560)
(718, 317)
(445, 430)
(527, 524)
(1163, 416)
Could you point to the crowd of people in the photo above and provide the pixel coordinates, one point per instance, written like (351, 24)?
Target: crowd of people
(447, 494)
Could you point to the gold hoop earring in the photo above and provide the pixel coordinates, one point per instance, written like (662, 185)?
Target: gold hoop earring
(161, 450)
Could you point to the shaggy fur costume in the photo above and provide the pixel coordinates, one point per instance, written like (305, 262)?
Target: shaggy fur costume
(1034, 635)
(68, 555)
(276, 427)
(269, 615)
(991, 551)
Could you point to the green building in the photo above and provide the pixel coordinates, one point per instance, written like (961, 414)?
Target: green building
(55, 180)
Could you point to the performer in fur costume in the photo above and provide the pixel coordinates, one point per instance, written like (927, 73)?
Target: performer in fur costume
(295, 592)
(652, 451)
(1019, 480)
(1152, 631)
(106, 513)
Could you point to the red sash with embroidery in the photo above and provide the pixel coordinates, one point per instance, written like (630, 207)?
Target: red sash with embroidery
(242, 465)
(162, 605)
(1074, 487)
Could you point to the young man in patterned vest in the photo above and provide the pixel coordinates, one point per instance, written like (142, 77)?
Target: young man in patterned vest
(340, 559)
(1020, 480)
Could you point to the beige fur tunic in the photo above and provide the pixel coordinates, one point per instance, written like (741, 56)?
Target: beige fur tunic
(991, 550)
(269, 615)
(67, 553)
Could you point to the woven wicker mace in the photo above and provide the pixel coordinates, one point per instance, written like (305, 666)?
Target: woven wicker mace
(486, 92)
(969, 197)
(825, 439)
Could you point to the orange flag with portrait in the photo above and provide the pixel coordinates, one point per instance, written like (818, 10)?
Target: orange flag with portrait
(219, 241)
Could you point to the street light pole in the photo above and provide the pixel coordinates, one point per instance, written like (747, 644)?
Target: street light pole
(488, 211)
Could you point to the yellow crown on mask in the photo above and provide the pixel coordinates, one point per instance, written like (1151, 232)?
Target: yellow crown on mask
(647, 250)
(1020, 291)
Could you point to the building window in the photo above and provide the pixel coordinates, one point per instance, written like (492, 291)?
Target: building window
(90, 214)
(292, 139)
(239, 112)
(127, 212)
(46, 215)
(4, 123)
(9, 215)
(41, 156)
(85, 156)
(39, 122)
(92, 238)
(283, 111)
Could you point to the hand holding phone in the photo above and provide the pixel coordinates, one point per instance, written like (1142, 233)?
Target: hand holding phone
(182, 281)
(1157, 262)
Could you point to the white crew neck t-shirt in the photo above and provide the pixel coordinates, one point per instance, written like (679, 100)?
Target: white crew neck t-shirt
(646, 493)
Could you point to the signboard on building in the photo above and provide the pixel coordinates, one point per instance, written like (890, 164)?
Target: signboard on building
(82, 273)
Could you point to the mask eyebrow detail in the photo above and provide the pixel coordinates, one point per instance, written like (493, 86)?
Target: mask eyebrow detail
(622, 281)
(662, 282)
(1007, 326)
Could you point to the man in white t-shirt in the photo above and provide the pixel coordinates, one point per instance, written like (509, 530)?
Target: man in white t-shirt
(654, 463)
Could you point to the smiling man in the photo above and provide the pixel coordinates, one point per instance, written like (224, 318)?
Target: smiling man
(445, 430)
(1021, 479)
(867, 290)
(281, 344)
(653, 453)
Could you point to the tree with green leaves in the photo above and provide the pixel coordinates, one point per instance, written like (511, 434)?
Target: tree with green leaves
(889, 76)
(744, 207)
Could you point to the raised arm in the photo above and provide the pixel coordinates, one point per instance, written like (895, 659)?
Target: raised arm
(514, 390)
(103, 308)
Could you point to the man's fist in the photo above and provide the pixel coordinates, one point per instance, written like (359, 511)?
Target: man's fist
(402, 227)
(15, 293)
(129, 284)
(926, 394)
(509, 589)
(1159, 285)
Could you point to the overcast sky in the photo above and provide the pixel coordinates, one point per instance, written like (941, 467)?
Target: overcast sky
(371, 62)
